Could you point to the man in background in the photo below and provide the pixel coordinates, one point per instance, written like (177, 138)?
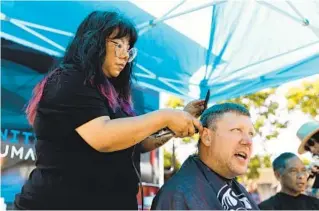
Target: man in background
(292, 175)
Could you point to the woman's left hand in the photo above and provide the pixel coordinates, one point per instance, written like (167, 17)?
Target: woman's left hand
(195, 107)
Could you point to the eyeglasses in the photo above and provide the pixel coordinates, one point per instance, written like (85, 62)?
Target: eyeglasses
(120, 50)
(297, 172)
(309, 144)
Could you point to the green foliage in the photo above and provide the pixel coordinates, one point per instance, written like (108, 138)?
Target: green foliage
(175, 102)
(305, 97)
(254, 165)
(306, 161)
(265, 108)
(266, 161)
(168, 161)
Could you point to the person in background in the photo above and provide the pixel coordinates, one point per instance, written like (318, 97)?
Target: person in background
(253, 191)
(89, 139)
(292, 175)
(308, 134)
(207, 180)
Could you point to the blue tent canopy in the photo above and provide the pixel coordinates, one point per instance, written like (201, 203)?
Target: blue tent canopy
(250, 45)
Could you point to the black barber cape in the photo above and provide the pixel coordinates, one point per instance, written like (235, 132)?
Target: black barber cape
(195, 186)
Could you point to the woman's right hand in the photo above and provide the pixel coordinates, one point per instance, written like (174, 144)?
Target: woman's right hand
(182, 123)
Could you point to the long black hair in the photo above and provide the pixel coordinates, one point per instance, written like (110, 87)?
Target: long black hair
(87, 52)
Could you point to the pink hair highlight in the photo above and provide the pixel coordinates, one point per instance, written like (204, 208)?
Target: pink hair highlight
(113, 99)
(37, 93)
(127, 106)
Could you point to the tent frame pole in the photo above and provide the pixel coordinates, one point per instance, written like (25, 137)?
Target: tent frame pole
(148, 23)
(154, 22)
(301, 20)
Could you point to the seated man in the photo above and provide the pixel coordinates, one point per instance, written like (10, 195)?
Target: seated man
(207, 180)
(292, 175)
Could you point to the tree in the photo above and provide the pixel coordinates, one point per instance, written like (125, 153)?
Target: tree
(175, 102)
(304, 97)
(255, 163)
(266, 109)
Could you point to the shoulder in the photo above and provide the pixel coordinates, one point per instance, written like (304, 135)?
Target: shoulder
(268, 203)
(179, 185)
(184, 179)
(311, 199)
(312, 202)
(169, 197)
(65, 79)
(65, 85)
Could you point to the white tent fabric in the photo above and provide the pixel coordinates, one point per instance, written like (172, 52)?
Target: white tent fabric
(257, 43)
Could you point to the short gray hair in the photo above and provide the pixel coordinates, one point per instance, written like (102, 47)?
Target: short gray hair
(215, 112)
(210, 115)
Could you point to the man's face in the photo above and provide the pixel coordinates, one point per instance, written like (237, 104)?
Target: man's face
(294, 177)
(230, 145)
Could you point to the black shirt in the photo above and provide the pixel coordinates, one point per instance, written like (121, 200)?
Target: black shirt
(70, 174)
(316, 183)
(283, 201)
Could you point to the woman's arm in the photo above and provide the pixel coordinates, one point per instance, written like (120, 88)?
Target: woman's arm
(195, 108)
(151, 142)
(107, 135)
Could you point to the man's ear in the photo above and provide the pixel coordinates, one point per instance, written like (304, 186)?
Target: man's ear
(206, 137)
(278, 175)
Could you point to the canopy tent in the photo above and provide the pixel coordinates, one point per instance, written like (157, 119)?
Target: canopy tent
(230, 47)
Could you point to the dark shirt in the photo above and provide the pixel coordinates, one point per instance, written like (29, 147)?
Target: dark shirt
(283, 201)
(316, 183)
(69, 173)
